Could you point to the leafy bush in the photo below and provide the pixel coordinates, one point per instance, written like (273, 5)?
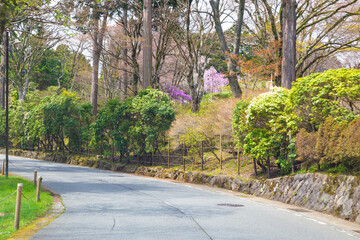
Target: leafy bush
(263, 127)
(134, 125)
(112, 126)
(56, 122)
(336, 145)
(333, 93)
(320, 105)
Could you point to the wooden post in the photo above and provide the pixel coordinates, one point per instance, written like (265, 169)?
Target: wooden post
(18, 206)
(169, 153)
(220, 151)
(3, 167)
(35, 177)
(38, 188)
(202, 156)
(238, 161)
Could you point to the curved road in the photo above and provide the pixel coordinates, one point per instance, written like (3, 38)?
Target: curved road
(107, 205)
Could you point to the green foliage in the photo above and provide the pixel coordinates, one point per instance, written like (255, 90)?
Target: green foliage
(58, 67)
(134, 125)
(239, 121)
(153, 115)
(59, 121)
(324, 106)
(332, 93)
(112, 126)
(264, 126)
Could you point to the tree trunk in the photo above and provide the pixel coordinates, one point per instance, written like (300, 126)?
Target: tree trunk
(135, 80)
(95, 75)
(147, 46)
(21, 94)
(255, 168)
(289, 44)
(124, 52)
(97, 48)
(234, 84)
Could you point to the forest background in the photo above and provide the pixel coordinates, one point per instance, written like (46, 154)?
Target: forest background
(80, 72)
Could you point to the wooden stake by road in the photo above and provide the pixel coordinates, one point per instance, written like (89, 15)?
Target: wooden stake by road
(38, 188)
(3, 167)
(35, 177)
(18, 206)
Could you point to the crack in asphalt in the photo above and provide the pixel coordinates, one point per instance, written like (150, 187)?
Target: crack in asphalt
(113, 224)
(160, 200)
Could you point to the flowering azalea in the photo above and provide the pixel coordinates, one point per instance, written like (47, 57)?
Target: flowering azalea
(176, 94)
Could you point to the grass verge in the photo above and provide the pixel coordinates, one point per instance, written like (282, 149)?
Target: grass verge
(30, 209)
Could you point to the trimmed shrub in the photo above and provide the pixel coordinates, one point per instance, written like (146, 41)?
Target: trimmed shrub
(134, 125)
(333, 93)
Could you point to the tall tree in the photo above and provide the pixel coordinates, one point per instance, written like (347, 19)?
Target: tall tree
(92, 17)
(289, 44)
(194, 39)
(124, 52)
(324, 29)
(147, 45)
(15, 12)
(216, 15)
(99, 27)
(30, 42)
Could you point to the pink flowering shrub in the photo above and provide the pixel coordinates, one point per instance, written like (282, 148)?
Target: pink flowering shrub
(213, 80)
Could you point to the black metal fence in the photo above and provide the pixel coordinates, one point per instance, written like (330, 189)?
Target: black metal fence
(172, 152)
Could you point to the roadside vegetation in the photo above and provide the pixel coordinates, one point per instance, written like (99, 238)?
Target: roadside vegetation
(312, 127)
(84, 81)
(30, 209)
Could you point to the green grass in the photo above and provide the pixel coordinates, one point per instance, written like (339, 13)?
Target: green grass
(30, 209)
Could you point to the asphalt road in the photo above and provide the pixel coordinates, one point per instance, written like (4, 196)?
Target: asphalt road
(107, 205)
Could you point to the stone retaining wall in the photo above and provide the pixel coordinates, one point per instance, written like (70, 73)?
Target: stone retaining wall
(94, 162)
(338, 195)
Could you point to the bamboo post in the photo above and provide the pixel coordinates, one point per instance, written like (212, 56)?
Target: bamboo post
(202, 156)
(221, 152)
(3, 167)
(35, 177)
(18, 206)
(169, 153)
(38, 188)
